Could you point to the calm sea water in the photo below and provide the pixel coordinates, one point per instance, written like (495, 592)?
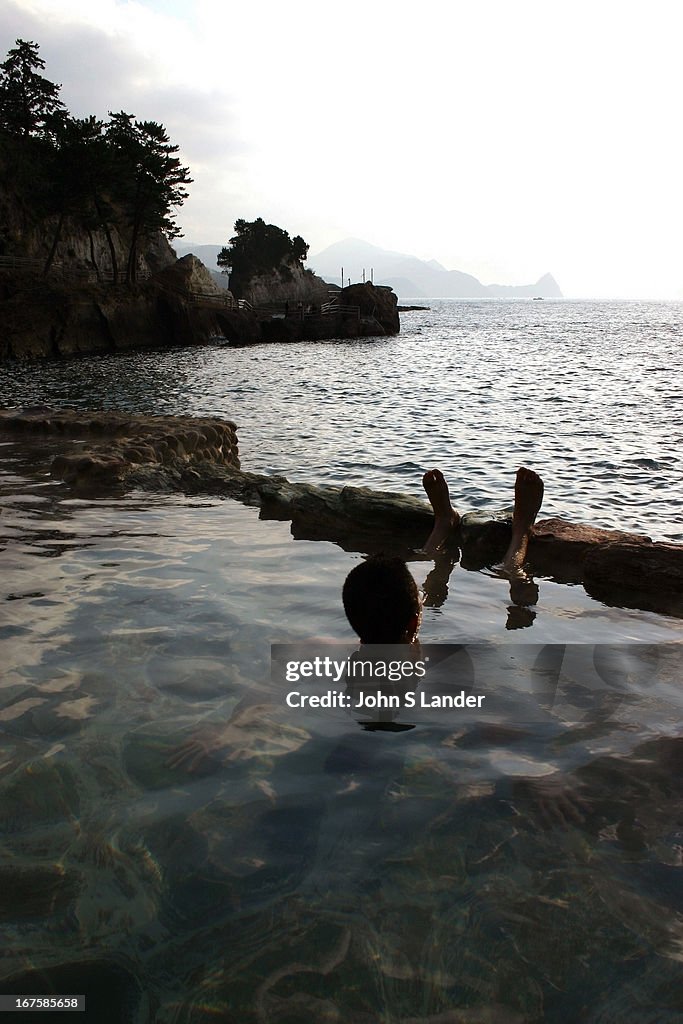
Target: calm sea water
(307, 869)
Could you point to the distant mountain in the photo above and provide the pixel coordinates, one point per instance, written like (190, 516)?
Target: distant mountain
(407, 275)
(410, 276)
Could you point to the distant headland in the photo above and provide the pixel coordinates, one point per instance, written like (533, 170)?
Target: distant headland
(411, 277)
(407, 275)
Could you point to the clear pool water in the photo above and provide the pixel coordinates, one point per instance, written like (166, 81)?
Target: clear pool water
(192, 849)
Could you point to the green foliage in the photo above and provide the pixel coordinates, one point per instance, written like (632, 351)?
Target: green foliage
(260, 248)
(29, 103)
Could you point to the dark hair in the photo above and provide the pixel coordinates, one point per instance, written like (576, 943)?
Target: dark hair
(380, 598)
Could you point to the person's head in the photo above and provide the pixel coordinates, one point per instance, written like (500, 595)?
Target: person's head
(382, 602)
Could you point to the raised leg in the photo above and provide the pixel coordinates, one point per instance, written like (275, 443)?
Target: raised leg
(528, 499)
(446, 518)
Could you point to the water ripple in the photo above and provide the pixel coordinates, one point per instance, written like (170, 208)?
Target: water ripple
(576, 389)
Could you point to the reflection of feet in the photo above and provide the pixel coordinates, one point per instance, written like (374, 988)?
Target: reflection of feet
(520, 617)
(523, 591)
(528, 499)
(436, 584)
(445, 516)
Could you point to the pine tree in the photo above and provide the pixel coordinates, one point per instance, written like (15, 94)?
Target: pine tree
(29, 103)
(151, 179)
(82, 176)
(260, 248)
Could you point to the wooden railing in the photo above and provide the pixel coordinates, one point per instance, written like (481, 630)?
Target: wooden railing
(24, 263)
(211, 298)
(223, 299)
(292, 308)
(336, 309)
(29, 265)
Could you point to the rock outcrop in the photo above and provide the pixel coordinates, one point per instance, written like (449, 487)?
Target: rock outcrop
(636, 575)
(376, 303)
(82, 249)
(79, 305)
(201, 455)
(180, 305)
(561, 546)
(292, 283)
(48, 320)
(119, 444)
(189, 275)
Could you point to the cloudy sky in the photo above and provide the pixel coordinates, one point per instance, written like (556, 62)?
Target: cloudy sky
(505, 139)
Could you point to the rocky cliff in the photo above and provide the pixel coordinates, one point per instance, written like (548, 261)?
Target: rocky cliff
(77, 308)
(57, 317)
(82, 251)
(179, 305)
(291, 284)
(376, 303)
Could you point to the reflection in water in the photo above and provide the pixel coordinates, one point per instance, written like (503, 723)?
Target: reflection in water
(181, 846)
(176, 836)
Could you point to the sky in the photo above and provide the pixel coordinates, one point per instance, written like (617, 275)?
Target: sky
(503, 139)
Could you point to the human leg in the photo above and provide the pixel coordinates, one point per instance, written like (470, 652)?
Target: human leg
(528, 499)
(446, 518)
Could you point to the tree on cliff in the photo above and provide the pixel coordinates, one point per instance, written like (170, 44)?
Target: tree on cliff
(151, 179)
(124, 175)
(29, 103)
(259, 248)
(81, 177)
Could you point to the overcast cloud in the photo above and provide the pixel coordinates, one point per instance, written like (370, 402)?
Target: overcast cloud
(505, 140)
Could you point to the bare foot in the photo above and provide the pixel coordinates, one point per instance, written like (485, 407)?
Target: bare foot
(445, 517)
(528, 499)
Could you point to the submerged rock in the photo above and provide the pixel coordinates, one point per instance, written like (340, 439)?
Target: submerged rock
(121, 443)
(39, 795)
(35, 891)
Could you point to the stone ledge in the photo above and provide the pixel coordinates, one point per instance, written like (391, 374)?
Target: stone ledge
(560, 546)
(132, 441)
(200, 455)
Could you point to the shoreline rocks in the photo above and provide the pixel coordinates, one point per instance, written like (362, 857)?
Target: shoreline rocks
(376, 303)
(122, 443)
(179, 305)
(200, 455)
(48, 320)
